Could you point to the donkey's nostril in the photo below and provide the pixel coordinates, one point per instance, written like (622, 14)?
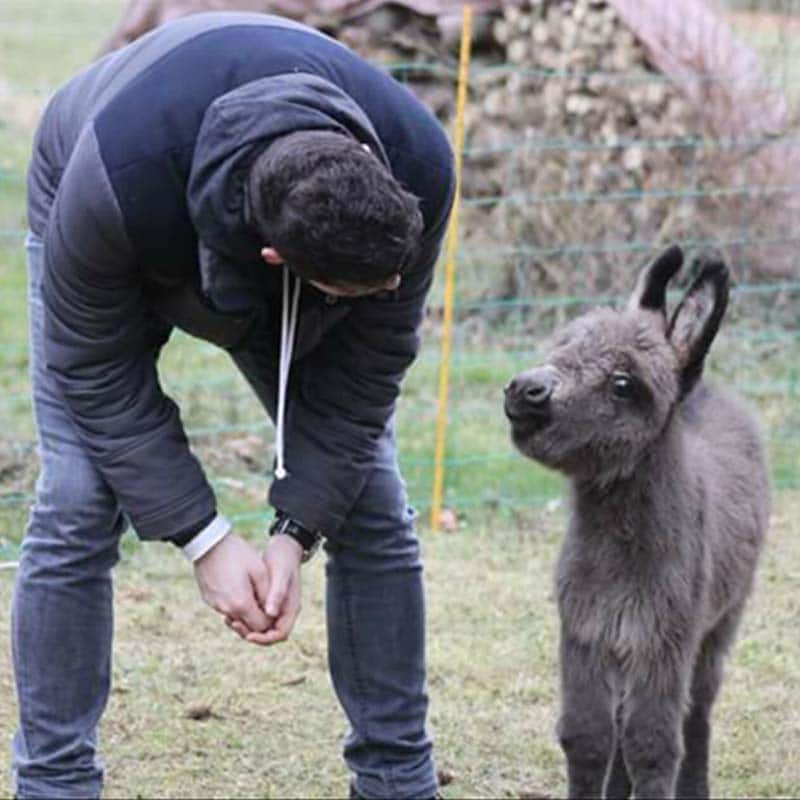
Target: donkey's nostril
(538, 393)
(531, 389)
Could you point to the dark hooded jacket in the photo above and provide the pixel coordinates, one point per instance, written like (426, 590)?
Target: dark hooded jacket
(138, 186)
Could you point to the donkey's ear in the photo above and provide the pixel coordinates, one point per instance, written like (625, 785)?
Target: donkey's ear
(697, 318)
(651, 287)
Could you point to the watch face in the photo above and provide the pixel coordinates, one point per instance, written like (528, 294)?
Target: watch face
(309, 554)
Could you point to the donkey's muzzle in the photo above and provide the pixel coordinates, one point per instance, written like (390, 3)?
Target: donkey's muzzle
(528, 395)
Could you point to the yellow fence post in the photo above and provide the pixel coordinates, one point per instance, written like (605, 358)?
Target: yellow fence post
(450, 272)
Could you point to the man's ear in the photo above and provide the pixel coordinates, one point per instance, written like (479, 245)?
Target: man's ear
(393, 283)
(271, 256)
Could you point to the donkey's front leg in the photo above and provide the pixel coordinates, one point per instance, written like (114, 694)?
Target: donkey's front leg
(586, 726)
(652, 735)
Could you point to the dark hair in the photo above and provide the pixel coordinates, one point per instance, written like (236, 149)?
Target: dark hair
(332, 209)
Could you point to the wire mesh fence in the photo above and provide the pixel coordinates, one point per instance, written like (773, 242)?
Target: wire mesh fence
(574, 175)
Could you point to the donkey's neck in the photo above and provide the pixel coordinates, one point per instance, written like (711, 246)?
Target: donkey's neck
(645, 497)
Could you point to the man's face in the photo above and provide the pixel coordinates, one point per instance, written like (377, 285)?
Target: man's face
(272, 256)
(345, 290)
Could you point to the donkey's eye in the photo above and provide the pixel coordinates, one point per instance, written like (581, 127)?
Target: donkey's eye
(622, 385)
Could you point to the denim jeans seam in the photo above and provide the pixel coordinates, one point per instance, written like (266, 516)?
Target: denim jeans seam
(351, 644)
(21, 679)
(357, 679)
(389, 775)
(20, 655)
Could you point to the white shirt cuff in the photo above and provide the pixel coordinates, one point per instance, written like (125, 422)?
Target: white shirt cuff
(214, 532)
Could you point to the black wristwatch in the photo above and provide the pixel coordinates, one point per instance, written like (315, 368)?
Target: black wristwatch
(308, 540)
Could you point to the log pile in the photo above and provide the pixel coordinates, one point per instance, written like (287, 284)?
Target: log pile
(578, 136)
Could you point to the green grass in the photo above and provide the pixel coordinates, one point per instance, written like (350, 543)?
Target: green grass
(275, 729)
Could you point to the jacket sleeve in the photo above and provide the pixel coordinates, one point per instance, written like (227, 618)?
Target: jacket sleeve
(100, 349)
(345, 392)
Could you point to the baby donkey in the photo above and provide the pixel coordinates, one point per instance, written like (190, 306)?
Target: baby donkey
(670, 505)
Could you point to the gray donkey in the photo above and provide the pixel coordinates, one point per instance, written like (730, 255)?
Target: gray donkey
(670, 505)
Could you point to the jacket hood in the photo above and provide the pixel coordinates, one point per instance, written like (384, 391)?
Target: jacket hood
(237, 127)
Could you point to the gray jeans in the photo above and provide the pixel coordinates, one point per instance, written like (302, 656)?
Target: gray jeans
(62, 616)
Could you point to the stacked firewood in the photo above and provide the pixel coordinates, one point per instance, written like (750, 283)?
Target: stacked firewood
(577, 75)
(585, 146)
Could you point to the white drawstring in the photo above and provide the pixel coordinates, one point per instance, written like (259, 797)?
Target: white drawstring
(288, 328)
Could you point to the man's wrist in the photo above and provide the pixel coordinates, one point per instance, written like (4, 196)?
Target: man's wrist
(309, 541)
(211, 535)
(293, 543)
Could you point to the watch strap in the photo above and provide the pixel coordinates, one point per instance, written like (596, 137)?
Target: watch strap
(308, 540)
